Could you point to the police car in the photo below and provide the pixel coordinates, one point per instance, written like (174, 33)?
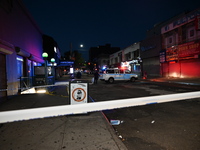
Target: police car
(111, 75)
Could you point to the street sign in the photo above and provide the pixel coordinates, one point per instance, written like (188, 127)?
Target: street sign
(78, 92)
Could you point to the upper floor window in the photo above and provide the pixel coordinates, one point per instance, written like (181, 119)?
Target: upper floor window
(111, 61)
(170, 40)
(191, 33)
(128, 56)
(116, 60)
(136, 54)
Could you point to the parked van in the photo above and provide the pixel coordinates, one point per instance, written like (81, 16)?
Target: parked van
(111, 75)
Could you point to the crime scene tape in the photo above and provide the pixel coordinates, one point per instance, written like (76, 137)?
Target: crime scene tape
(42, 86)
(36, 113)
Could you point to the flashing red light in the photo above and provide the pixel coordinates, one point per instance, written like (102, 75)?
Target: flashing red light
(144, 77)
(172, 62)
(123, 68)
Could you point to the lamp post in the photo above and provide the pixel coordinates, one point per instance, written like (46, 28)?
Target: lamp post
(45, 55)
(53, 61)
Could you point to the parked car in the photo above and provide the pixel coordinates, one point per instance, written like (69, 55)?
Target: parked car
(111, 75)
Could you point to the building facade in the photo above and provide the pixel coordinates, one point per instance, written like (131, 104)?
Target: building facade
(115, 59)
(103, 61)
(51, 47)
(151, 47)
(100, 55)
(180, 55)
(21, 47)
(128, 58)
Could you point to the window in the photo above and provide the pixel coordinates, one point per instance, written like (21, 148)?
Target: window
(136, 54)
(111, 62)
(170, 40)
(128, 56)
(116, 60)
(19, 66)
(121, 71)
(127, 71)
(191, 33)
(30, 68)
(109, 71)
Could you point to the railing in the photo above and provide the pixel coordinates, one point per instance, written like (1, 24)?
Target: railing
(40, 80)
(26, 82)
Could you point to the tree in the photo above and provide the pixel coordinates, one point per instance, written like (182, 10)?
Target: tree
(76, 57)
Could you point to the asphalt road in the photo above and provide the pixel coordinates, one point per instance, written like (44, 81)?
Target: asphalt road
(166, 126)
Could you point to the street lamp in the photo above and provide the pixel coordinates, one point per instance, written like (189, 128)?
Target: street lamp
(53, 61)
(45, 55)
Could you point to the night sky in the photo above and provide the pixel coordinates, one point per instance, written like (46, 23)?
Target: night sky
(98, 22)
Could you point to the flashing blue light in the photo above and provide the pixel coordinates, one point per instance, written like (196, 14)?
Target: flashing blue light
(104, 67)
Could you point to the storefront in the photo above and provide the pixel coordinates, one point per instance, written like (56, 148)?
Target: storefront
(133, 66)
(3, 83)
(5, 50)
(181, 61)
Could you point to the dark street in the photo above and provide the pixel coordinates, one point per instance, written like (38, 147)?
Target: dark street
(172, 125)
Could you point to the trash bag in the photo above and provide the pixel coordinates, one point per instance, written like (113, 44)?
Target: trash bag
(92, 80)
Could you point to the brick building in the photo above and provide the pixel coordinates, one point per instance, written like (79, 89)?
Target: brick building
(181, 46)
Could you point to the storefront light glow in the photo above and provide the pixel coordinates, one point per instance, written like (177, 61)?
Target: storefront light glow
(71, 70)
(19, 59)
(55, 50)
(41, 91)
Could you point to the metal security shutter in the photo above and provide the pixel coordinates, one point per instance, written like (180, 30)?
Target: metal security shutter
(3, 79)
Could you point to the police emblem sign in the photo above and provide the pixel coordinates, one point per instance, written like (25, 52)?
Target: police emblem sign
(78, 92)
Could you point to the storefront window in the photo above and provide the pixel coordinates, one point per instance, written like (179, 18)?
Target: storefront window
(30, 68)
(19, 66)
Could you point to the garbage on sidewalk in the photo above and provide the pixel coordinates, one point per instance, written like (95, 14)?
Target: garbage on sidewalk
(115, 122)
(119, 135)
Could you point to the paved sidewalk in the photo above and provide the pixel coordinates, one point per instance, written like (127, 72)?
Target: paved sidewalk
(76, 132)
(184, 81)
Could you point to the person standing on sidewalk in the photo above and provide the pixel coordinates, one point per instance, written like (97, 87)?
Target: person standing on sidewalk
(96, 77)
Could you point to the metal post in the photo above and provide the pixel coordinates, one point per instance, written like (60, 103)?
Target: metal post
(45, 67)
(45, 55)
(53, 73)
